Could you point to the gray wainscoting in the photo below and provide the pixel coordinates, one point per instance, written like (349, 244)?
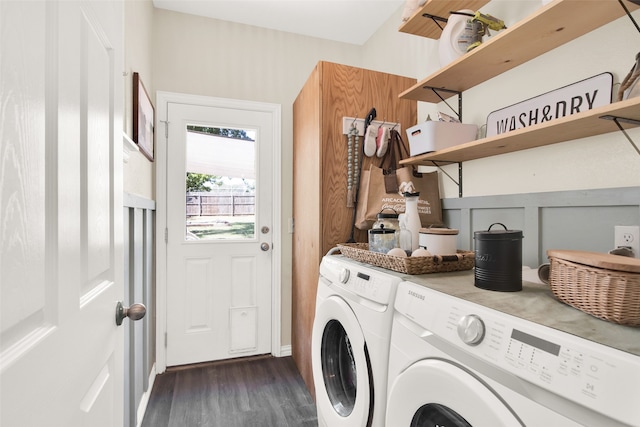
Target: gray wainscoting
(578, 220)
(139, 287)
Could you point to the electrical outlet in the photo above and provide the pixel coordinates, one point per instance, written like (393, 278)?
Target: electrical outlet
(628, 236)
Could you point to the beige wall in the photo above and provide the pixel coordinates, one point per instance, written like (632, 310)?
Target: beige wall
(209, 57)
(139, 172)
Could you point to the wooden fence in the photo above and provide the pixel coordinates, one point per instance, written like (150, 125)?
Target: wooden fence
(211, 204)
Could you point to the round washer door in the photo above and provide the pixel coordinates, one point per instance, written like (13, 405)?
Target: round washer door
(340, 365)
(435, 392)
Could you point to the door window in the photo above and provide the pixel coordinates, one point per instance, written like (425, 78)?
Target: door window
(220, 183)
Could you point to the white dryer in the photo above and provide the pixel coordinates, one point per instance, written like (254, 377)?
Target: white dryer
(456, 363)
(350, 342)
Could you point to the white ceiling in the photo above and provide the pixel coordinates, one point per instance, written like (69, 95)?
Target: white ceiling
(349, 21)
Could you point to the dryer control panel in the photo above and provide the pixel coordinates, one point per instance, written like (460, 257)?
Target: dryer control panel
(604, 379)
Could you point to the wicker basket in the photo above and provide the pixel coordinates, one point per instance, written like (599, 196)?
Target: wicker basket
(608, 294)
(463, 260)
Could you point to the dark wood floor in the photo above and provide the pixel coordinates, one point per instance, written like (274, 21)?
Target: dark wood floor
(262, 391)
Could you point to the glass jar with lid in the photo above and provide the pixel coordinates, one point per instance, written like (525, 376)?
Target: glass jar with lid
(383, 236)
(388, 219)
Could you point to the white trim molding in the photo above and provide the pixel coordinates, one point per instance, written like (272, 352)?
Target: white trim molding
(285, 351)
(144, 401)
(128, 146)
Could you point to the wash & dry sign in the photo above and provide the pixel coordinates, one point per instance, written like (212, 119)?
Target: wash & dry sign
(581, 96)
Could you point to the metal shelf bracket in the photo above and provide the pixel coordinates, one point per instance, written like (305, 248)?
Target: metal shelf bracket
(437, 91)
(628, 14)
(617, 121)
(458, 113)
(436, 19)
(458, 182)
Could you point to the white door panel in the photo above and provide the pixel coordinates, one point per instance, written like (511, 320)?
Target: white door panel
(60, 218)
(218, 291)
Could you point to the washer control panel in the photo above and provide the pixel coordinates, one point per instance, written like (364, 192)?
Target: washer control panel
(362, 281)
(604, 379)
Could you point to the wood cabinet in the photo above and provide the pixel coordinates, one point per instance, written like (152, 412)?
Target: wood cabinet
(321, 216)
(549, 27)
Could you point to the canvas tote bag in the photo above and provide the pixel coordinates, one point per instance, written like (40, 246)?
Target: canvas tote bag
(382, 188)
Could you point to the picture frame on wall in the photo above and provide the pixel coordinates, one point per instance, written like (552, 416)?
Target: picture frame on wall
(143, 118)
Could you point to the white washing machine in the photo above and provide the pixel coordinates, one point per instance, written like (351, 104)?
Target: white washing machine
(350, 342)
(456, 363)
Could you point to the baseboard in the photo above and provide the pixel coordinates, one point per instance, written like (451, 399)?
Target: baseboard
(144, 399)
(285, 351)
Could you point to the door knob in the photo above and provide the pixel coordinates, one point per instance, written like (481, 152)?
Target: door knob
(135, 312)
(264, 246)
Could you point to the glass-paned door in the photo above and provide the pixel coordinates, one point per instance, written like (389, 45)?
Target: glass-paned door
(219, 219)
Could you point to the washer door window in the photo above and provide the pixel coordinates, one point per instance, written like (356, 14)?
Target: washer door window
(435, 392)
(340, 365)
(339, 368)
(434, 414)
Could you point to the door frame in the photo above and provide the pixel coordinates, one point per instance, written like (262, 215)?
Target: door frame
(163, 99)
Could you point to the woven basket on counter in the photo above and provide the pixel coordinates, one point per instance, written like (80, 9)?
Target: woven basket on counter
(463, 260)
(603, 285)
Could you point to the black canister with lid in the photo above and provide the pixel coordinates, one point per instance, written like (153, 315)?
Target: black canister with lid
(498, 263)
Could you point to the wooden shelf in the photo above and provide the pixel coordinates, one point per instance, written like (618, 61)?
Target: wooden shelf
(424, 26)
(581, 125)
(549, 27)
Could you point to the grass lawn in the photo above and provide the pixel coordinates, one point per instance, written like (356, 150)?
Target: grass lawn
(222, 228)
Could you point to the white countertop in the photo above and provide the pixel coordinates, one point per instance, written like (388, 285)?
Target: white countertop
(535, 303)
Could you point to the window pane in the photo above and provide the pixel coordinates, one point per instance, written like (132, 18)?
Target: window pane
(220, 184)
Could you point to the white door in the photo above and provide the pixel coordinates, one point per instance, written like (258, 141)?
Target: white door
(219, 258)
(61, 260)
